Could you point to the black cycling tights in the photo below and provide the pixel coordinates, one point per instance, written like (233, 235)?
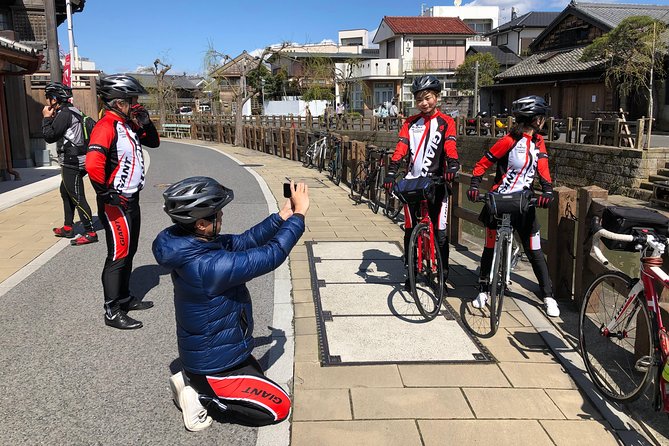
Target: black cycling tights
(122, 235)
(72, 193)
(244, 394)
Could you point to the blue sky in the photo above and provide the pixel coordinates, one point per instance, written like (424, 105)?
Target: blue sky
(122, 35)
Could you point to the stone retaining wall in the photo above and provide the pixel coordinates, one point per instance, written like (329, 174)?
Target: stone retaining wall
(616, 169)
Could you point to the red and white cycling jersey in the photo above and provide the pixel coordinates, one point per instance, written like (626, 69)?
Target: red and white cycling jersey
(430, 142)
(518, 162)
(115, 159)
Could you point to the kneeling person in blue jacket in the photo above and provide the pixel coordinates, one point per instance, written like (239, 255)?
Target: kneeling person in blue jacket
(212, 304)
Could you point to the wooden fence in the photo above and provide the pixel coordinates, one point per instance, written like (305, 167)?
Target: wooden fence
(605, 132)
(570, 263)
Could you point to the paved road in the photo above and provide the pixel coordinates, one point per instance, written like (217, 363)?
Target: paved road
(68, 379)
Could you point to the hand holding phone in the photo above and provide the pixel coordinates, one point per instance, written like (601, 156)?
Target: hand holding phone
(287, 190)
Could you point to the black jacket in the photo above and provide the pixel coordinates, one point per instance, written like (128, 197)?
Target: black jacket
(66, 126)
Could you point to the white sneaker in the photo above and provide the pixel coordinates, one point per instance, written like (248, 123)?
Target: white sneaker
(194, 414)
(480, 300)
(551, 306)
(177, 384)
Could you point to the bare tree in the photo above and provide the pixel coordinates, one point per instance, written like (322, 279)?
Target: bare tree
(248, 70)
(164, 91)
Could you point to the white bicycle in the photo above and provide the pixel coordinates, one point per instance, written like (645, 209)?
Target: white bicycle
(316, 154)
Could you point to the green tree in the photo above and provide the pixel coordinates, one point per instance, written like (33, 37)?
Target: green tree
(466, 72)
(633, 53)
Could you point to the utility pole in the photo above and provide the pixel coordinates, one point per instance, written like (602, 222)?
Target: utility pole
(70, 32)
(476, 88)
(650, 90)
(52, 41)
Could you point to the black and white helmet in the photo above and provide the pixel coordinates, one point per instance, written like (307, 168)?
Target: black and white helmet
(529, 107)
(58, 91)
(426, 82)
(194, 198)
(119, 86)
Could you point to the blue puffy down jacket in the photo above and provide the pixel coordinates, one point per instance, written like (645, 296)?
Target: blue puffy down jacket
(212, 304)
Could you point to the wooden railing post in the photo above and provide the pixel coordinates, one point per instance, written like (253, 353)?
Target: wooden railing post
(579, 126)
(549, 126)
(561, 237)
(582, 275)
(455, 225)
(596, 131)
(570, 125)
(638, 144)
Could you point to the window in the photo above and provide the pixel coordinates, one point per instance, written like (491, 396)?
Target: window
(390, 49)
(502, 39)
(356, 97)
(5, 19)
(351, 41)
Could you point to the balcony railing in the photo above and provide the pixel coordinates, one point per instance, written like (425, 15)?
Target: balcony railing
(378, 68)
(429, 65)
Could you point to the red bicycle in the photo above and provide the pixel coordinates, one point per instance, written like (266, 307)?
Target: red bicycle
(623, 341)
(426, 270)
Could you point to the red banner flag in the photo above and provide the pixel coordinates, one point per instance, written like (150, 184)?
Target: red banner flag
(67, 71)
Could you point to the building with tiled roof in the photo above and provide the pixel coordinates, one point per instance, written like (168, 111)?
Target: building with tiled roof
(503, 55)
(518, 33)
(554, 69)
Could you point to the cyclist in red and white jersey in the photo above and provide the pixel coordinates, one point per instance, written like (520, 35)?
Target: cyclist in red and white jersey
(115, 165)
(428, 139)
(520, 156)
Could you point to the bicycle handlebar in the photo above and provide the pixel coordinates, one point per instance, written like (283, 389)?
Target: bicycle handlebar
(639, 239)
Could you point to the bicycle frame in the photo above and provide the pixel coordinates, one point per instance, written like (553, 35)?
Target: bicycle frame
(650, 273)
(425, 218)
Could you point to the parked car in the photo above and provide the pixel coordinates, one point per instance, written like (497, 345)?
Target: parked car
(185, 110)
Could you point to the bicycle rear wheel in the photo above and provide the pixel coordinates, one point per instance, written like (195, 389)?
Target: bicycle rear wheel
(426, 277)
(375, 190)
(392, 204)
(498, 284)
(358, 182)
(619, 362)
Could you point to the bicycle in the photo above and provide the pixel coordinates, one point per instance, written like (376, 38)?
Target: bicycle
(623, 341)
(392, 204)
(316, 153)
(484, 322)
(335, 165)
(368, 178)
(424, 262)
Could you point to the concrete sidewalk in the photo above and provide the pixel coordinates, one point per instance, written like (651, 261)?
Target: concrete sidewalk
(525, 398)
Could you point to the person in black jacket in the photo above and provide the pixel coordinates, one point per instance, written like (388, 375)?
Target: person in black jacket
(64, 123)
(213, 306)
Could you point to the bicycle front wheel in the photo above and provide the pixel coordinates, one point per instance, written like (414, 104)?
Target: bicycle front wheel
(358, 182)
(615, 338)
(426, 276)
(498, 284)
(337, 167)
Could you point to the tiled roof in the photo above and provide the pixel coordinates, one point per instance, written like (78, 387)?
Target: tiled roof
(550, 62)
(148, 80)
(532, 19)
(16, 46)
(502, 54)
(427, 25)
(611, 14)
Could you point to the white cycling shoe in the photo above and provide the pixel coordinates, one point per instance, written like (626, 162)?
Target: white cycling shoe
(551, 307)
(480, 300)
(186, 398)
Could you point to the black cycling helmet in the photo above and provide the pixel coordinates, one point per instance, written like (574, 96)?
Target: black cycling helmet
(529, 107)
(58, 91)
(119, 86)
(194, 198)
(426, 82)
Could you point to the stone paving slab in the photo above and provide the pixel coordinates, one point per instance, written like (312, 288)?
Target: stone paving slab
(483, 432)
(573, 404)
(313, 376)
(568, 433)
(512, 404)
(356, 433)
(409, 403)
(453, 375)
(322, 404)
(540, 376)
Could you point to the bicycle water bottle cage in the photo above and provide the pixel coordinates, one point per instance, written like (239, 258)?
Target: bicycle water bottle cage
(513, 203)
(414, 190)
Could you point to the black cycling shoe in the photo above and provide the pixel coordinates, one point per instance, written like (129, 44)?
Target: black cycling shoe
(122, 321)
(136, 305)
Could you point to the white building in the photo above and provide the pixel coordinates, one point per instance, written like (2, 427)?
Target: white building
(481, 19)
